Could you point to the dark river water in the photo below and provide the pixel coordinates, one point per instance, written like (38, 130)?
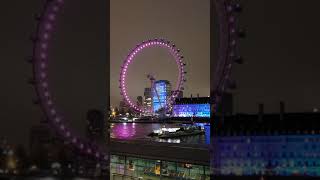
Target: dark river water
(140, 131)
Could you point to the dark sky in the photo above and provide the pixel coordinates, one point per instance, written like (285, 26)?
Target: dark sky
(78, 73)
(281, 53)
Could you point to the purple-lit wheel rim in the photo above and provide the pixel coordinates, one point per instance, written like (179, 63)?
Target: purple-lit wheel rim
(45, 29)
(175, 52)
(228, 51)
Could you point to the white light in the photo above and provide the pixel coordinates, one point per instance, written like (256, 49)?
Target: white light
(57, 119)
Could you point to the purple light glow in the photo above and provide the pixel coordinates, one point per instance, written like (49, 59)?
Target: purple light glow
(55, 8)
(139, 48)
(43, 65)
(57, 119)
(48, 26)
(46, 94)
(43, 75)
(53, 111)
(49, 102)
(44, 46)
(45, 35)
(51, 17)
(43, 56)
(44, 84)
(231, 19)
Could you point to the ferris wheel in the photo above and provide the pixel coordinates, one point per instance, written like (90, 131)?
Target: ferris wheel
(179, 59)
(42, 39)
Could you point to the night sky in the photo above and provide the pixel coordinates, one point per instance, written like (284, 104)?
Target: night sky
(281, 53)
(78, 73)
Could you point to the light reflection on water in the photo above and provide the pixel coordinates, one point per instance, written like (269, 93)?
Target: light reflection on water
(140, 131)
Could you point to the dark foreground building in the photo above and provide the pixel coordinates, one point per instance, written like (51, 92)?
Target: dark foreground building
(153, 160)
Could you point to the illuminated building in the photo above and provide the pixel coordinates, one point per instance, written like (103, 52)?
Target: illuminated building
(274, 144)
(161, 95)
(147, 98)
(192, 107)
(134, 167)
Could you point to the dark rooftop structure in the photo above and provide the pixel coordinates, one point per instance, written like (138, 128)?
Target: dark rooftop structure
(193, 100)
(265, 124)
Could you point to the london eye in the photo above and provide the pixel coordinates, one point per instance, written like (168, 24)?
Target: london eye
(174, 51)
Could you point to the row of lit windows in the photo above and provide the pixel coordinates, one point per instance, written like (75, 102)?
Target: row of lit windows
(262, 171)
(271, 139)
(271, 154)
(255, 146)
(273, 163)
(190, 110)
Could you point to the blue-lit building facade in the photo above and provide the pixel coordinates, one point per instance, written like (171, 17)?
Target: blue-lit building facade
(270, 146)
(274, 155)
(159, 98)
(192, 107)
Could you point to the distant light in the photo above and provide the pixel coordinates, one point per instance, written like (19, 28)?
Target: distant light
(315, 110)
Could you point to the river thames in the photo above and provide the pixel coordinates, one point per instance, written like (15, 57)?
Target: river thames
(140, 131)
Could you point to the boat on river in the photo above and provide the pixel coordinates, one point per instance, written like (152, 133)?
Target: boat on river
(177, 132)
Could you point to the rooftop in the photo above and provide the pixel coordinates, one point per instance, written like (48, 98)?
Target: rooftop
(193, 100)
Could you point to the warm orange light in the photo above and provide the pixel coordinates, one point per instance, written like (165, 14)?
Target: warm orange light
(157, 169)
(11, 164)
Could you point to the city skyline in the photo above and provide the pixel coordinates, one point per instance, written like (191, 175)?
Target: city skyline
(61, 62)
(280, 55)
